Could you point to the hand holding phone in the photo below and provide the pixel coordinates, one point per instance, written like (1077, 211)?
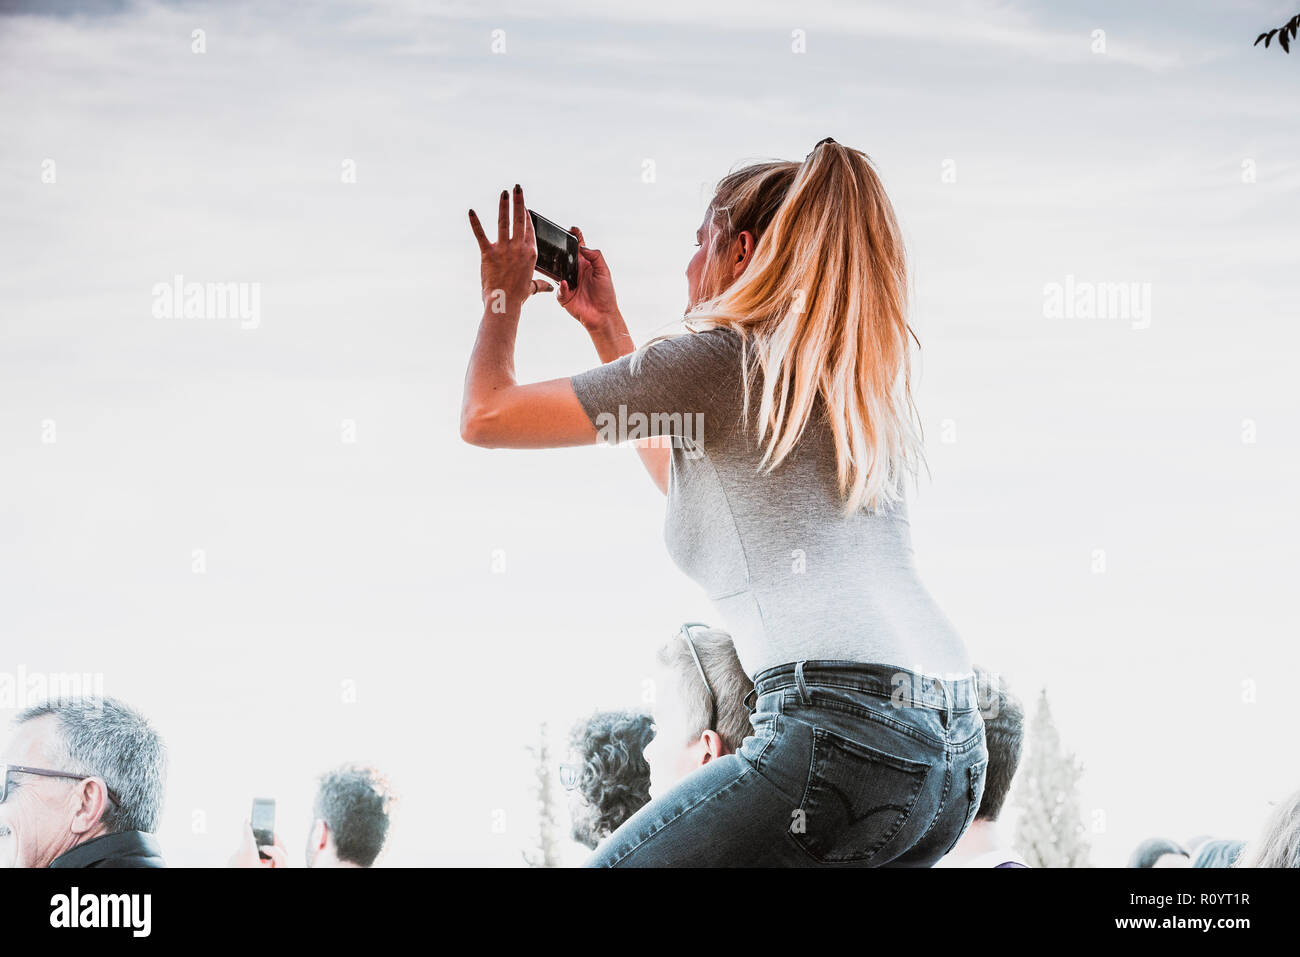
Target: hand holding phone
(507, 266)
(263, 821)
(557, 250)
(592, 302)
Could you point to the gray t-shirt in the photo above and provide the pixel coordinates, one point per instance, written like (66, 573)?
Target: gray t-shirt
(792, 577)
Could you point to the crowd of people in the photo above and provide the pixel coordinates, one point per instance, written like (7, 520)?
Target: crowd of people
(1277, 846)
(792, 739)
(82, 785)
(620, 759)
(84, 780)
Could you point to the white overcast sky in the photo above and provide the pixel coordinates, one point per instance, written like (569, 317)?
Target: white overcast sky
(368, 565)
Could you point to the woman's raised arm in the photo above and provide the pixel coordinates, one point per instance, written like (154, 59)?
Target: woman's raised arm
(497, 412)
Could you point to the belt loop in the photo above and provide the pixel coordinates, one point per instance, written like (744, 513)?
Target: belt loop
(751, 699)
(804, 697)
(947, 703)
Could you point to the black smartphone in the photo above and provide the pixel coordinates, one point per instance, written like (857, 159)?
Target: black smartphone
(263, 821)
(557, 251)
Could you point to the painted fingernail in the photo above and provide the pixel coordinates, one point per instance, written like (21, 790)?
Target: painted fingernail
(518, 188)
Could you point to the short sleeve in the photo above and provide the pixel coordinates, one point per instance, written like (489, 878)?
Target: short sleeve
(667, 387)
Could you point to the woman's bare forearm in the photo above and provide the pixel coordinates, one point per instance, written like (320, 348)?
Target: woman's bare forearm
(496, 411)
(613, 341)
(492, 362)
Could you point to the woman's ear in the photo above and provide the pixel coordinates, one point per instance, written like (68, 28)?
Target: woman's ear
(742, 250)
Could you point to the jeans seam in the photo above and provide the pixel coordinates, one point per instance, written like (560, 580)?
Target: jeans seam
(971, 807)
(842, 686)
(776, 729)
(911, 700)
(902, 727)
(943, 800)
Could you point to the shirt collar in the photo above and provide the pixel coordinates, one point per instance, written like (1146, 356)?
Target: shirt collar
(110, 846)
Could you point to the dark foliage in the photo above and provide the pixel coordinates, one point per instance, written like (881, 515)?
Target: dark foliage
(1285, 34)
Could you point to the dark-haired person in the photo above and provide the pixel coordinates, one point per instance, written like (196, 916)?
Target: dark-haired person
(81, 785)
(793, 432)
(1159, 852)
(700, 713)
(608, 777)
(350, 820)
(983, 844)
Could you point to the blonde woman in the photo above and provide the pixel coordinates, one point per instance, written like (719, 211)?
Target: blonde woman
(789, 406)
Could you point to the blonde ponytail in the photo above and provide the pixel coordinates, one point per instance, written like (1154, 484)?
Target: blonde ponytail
(823, 305)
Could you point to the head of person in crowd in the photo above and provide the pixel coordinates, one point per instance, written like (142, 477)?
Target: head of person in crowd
(1218, 853)
(1279, 844)
(83, 783)
(1159, 852)
(350, 818)
(1004, 731)
(1193, 845)
(608, 776)
(701, 712)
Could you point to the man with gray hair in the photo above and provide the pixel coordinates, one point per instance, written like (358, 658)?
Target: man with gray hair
(81, 785)
(700, 710)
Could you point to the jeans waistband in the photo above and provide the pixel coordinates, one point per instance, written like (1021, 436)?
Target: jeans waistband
(905, 688)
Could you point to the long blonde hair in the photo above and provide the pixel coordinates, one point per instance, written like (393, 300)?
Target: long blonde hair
(823, 305)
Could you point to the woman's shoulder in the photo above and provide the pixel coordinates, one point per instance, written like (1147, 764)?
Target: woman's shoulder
(716, 344)
(696, 367)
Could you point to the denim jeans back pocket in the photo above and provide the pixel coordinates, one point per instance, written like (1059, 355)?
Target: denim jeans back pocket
(856, 800)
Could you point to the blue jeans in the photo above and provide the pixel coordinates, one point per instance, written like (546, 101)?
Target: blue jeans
(856, 765)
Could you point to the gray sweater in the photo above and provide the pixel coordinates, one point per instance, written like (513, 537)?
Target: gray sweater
(790, 575)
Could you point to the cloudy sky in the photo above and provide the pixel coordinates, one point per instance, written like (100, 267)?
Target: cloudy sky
(1111, 512)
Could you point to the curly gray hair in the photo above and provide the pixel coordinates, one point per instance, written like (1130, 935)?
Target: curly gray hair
(615, 779)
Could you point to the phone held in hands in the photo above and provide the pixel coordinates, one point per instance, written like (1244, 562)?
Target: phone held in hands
(263, 821)
(557, 251)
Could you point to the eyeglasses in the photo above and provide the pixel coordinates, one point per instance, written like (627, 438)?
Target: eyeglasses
(8, 769)
(685, 634)
(570, 775)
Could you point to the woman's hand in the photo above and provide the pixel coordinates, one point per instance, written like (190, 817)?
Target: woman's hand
(508, 264)
(593, 303)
